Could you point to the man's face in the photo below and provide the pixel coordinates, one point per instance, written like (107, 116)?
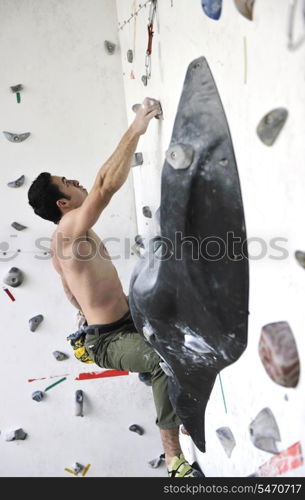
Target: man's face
(71, 188)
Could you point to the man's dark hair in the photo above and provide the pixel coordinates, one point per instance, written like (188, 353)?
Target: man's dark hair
(43, 195)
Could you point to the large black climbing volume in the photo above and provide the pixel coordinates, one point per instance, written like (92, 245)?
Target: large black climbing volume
(189, 294)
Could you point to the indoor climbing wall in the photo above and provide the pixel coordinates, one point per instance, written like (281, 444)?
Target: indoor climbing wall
(62, 111)
(255, 51)
(72, 72)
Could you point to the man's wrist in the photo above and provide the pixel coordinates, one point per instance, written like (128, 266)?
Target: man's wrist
(134, 131)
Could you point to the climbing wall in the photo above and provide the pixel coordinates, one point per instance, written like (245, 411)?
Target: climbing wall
(255, 415)
(72, 104)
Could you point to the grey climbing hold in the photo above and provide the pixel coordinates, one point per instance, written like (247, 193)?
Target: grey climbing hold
(60, 356)
(264, 431)
(139, 241)
(16, 137)
(110, 47)
(300, 257)
(129, 56)
(14, 277)
(135, 108)
(144, 80)
(245, 7)
(137, 160)
(145, 377)
(17, 226)
(37, 396)
(271, 124)
(180, 156)
(16, 88)
(15, 435)
(156, 462)
(227, 440)
(77, 467)
(17, 183)
(147, 212)
(79, 402)
(137, 428)
(35, 322)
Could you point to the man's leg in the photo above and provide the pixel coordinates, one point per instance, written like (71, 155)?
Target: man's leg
(128, 351)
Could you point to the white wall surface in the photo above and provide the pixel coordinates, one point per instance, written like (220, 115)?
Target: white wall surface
(73, 105)
(272, 182)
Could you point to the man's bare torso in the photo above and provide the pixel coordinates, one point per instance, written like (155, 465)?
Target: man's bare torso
(86, 268)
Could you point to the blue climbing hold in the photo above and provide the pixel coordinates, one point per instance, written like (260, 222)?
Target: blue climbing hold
(212, 8)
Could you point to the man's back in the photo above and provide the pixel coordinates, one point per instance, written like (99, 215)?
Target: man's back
(89, 275)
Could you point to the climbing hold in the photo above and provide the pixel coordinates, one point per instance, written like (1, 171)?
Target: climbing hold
(144, 80)
(17, 183)
(129, 55)
(227, 439)
(180, 156)
(137, 160)
(156, 462)
(18, 226)
(79, 401)
(264, 431)
(60, 356)
(212, 8)
(139, 241)
(77, 468)
(16, 89)
(293, 41)
(16, 137)
(271, 124)
(109, 46)
(245, 7)
(135, 108)
(147, 212)
(15, 435)
(174, 300)
(37, 395)
(137, 428)
(35, 322)
(300, 257)
(145, 377)
(14, 277)
(279, 354)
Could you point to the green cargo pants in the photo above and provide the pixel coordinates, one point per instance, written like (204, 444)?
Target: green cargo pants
(119, 346)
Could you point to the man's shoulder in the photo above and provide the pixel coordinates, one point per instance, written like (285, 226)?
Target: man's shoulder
(66, 225)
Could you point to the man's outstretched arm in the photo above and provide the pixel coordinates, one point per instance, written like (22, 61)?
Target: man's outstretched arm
(112, 174)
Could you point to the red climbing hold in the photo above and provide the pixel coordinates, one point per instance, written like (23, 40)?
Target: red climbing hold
(279, 354)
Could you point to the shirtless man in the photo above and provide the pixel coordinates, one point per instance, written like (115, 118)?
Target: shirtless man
(91, 282)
